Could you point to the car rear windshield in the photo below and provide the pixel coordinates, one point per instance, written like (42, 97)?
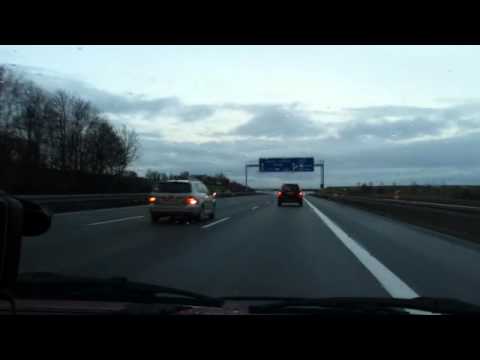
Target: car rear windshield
(174, 187)
(290, 187)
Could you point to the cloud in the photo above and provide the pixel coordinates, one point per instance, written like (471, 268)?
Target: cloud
(398, 130)
(278, 122)
(408, 124)
(195, 112)
(114, 103)
(346, 164)
(380, 143)
(456, 152)
(382, 111)
(450, 160)
(195, 158)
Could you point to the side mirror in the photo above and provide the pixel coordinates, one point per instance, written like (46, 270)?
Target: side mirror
(36, 220)
(11, 224)
(18, 217)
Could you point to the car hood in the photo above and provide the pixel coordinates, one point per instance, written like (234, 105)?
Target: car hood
(67, 307)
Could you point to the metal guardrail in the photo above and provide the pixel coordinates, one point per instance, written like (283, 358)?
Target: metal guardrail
(428, 204)
(246, 193)
(433, 204)
(453, 219)
(79, 202)
(45, 199)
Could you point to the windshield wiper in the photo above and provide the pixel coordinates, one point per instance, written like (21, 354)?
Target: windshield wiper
(362, 305)
(59, 287)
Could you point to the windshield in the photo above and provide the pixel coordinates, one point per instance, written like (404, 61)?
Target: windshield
(317, 171)
(173, 187)
(290, 187)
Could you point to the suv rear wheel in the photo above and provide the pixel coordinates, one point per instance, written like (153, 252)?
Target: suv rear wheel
(212, 215)
(201, 215)
(153, 218)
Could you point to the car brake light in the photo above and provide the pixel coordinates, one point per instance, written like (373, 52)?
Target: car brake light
(279, 193)
(190, 200)
(300, 193)
(152, 199)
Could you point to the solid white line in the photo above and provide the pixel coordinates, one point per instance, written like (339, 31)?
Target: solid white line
(116, 220)
(82, 212)
(254, 208)
(391, 282)
(215, 223)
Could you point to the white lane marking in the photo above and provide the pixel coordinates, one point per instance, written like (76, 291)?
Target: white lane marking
(84, 212)
(254, 208)
(116, 220)
(215, 223)
(391, 282)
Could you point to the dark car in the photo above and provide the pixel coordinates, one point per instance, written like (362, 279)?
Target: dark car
(290, 193)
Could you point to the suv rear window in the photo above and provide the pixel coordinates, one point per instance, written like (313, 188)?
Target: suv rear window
(174, 187)
(290, 187)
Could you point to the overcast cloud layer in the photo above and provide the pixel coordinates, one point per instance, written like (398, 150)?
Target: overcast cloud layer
(385, 144)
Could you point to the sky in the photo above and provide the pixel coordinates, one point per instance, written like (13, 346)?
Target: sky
(373, 113)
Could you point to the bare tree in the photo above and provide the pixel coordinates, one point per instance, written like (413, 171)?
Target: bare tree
(59, 131)
(103, 147)
(58, 121)
(83, 114)
(130, 143)
(30, 125)
(153, 176)
(10, 97)
(21, 128)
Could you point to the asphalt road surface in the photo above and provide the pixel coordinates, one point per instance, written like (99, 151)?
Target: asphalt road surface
(254, 248)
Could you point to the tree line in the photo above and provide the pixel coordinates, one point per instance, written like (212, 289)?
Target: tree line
(40, 129)
(218, 182)
(55, 142)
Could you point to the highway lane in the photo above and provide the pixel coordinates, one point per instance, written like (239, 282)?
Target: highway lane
(431, 263)
(254, 247)
(76, 238)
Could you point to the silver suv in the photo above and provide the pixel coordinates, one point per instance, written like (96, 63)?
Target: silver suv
(186, 199)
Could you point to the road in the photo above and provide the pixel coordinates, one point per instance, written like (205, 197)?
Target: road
(255, 248)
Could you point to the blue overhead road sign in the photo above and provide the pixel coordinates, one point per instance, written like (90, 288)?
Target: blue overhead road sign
(286, 164)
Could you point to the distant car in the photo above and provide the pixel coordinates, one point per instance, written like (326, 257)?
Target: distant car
(290, 193)
(185, 199)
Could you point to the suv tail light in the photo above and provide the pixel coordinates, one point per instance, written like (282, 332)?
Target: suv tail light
(152, 199)
(190, 200)
(279, 193)
(301, 194)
